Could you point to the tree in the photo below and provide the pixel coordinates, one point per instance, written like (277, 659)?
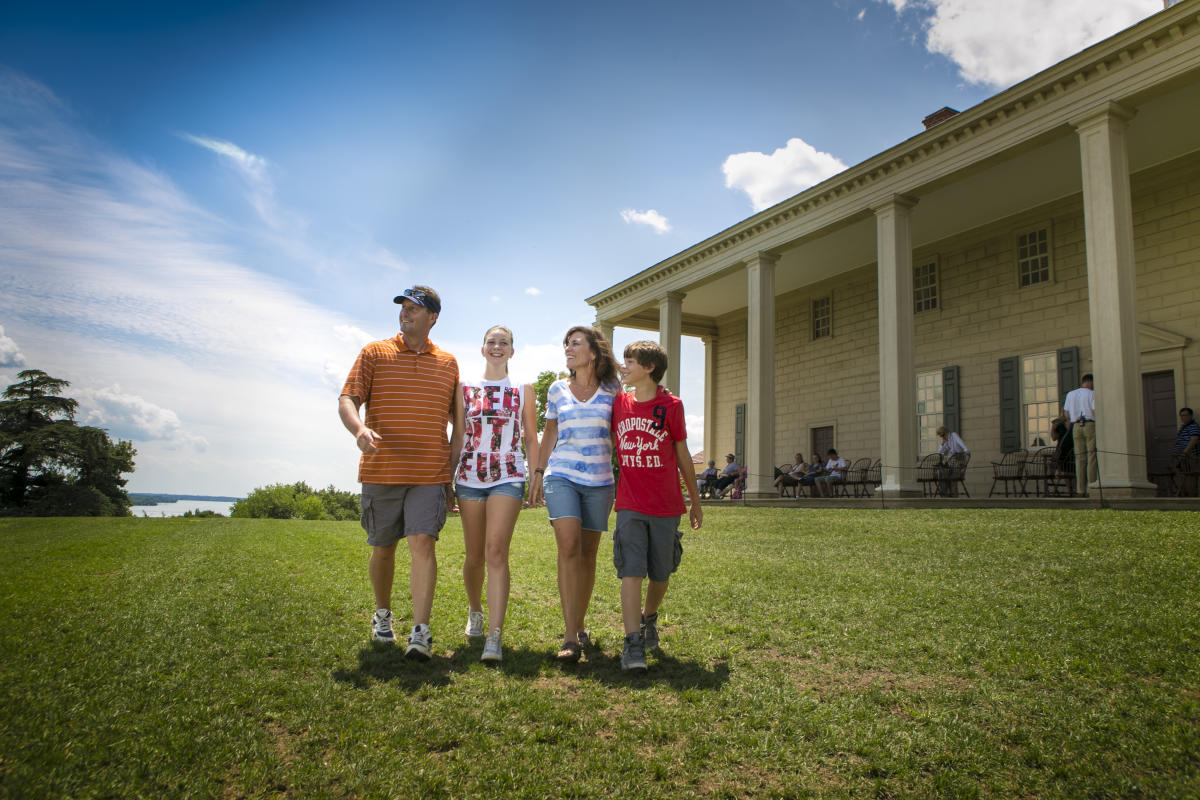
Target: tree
(297, 501)
(49, 465)
(541, 387)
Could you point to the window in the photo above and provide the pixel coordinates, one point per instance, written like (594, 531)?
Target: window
(822, 317)
(1033, 256)
(925, 287)
(1039, 396)
(930, 405)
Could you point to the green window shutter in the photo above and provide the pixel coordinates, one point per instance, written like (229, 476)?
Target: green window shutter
(951, 416)
(1068, 372)
(1010, 404)
(739, 434)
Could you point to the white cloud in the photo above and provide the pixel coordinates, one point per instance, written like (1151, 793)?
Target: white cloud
(382, 257)
(649, 217)
(533, 291)
(253, 169)
(111, 277)
(10, 353)
(863, 13)
(769, 179)
(129, 416)
(1000, 43)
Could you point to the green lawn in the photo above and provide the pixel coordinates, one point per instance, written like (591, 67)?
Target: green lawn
(955, 653)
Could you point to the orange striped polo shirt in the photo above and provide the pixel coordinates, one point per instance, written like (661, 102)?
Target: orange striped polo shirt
(408, 397)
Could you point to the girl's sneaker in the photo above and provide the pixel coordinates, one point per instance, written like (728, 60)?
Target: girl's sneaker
(492, 651)
(474, 623)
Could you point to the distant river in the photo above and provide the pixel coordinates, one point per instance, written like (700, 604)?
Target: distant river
(177, 508)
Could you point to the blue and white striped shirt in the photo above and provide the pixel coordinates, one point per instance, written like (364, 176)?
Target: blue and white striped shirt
(583, 453)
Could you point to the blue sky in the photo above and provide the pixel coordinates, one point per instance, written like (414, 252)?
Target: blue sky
(206, 208)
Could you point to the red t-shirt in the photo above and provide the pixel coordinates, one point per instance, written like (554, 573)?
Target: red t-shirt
(645, 436)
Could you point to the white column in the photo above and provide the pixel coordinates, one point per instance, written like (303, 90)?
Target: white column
(1112, 300)
(897, 381)
(605, 327)
(760, 375)
(670, 328)
(710, 397)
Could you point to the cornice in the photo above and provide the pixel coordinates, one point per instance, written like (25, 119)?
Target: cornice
(871, 182)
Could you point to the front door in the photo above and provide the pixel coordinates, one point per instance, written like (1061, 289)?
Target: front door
(1158, 408)
(822, 441)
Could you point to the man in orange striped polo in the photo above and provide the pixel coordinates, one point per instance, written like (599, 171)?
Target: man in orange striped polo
(407, 465)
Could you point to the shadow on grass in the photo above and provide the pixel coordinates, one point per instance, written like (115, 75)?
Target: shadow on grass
(384, 664)
(665, 670)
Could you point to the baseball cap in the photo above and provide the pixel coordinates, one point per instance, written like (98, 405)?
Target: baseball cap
(421, 298)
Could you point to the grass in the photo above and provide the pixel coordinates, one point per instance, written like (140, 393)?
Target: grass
(952, 653)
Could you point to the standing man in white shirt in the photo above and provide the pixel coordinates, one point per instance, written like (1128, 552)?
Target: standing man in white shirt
(1080, 409)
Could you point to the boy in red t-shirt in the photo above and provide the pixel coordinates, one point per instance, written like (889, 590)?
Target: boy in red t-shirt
(651, 442)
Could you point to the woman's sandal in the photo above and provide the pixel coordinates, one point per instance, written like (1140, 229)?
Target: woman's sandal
(585, 639)
(569, 652)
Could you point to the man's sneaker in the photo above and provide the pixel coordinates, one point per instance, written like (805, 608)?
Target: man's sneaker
(633, 656)
(419, 643)
(474, 623)
(381, 627)
(650, 631)
(491, 647)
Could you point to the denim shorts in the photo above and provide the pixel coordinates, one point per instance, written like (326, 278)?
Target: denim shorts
(588, 504)
(512, 489)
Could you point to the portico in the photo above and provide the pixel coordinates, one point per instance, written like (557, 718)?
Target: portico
(807, 308)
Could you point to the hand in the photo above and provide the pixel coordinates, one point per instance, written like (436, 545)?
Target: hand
(535, 490)
(696, 515)
(367, 440)
(449, 498)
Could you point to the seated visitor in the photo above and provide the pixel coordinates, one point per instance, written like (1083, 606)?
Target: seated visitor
(793, 475)
(834, 472)
(728, 475)
(708, 480)
(1184, 451)
(952, 445)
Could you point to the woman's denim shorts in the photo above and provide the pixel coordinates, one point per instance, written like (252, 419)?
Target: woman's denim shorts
(588, 504)
(516, 490)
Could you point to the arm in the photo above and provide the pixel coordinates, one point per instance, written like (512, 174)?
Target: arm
(529, 421)
(456, 440)
(364, 437)
(683, 459)
(549, 440)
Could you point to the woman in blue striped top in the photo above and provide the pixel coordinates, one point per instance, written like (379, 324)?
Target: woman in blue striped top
(576, 464)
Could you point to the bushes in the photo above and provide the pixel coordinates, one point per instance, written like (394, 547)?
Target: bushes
(297, 501)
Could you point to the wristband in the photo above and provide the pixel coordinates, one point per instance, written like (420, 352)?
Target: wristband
(539, 471)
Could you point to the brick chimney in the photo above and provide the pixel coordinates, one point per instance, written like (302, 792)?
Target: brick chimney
(941, 115)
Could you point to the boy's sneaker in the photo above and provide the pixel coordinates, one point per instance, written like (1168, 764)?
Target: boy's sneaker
(633, 656)
(381, 627)
(420, 641)
(650, 631)
(491, 647)
(474, 623)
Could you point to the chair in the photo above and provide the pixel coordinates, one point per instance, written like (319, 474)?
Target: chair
(874, 476)
(1060, 477)
(856, 476)
(1040, 468)
(927, 474)
(784, 487)
(1010, 469)
(954, 474)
